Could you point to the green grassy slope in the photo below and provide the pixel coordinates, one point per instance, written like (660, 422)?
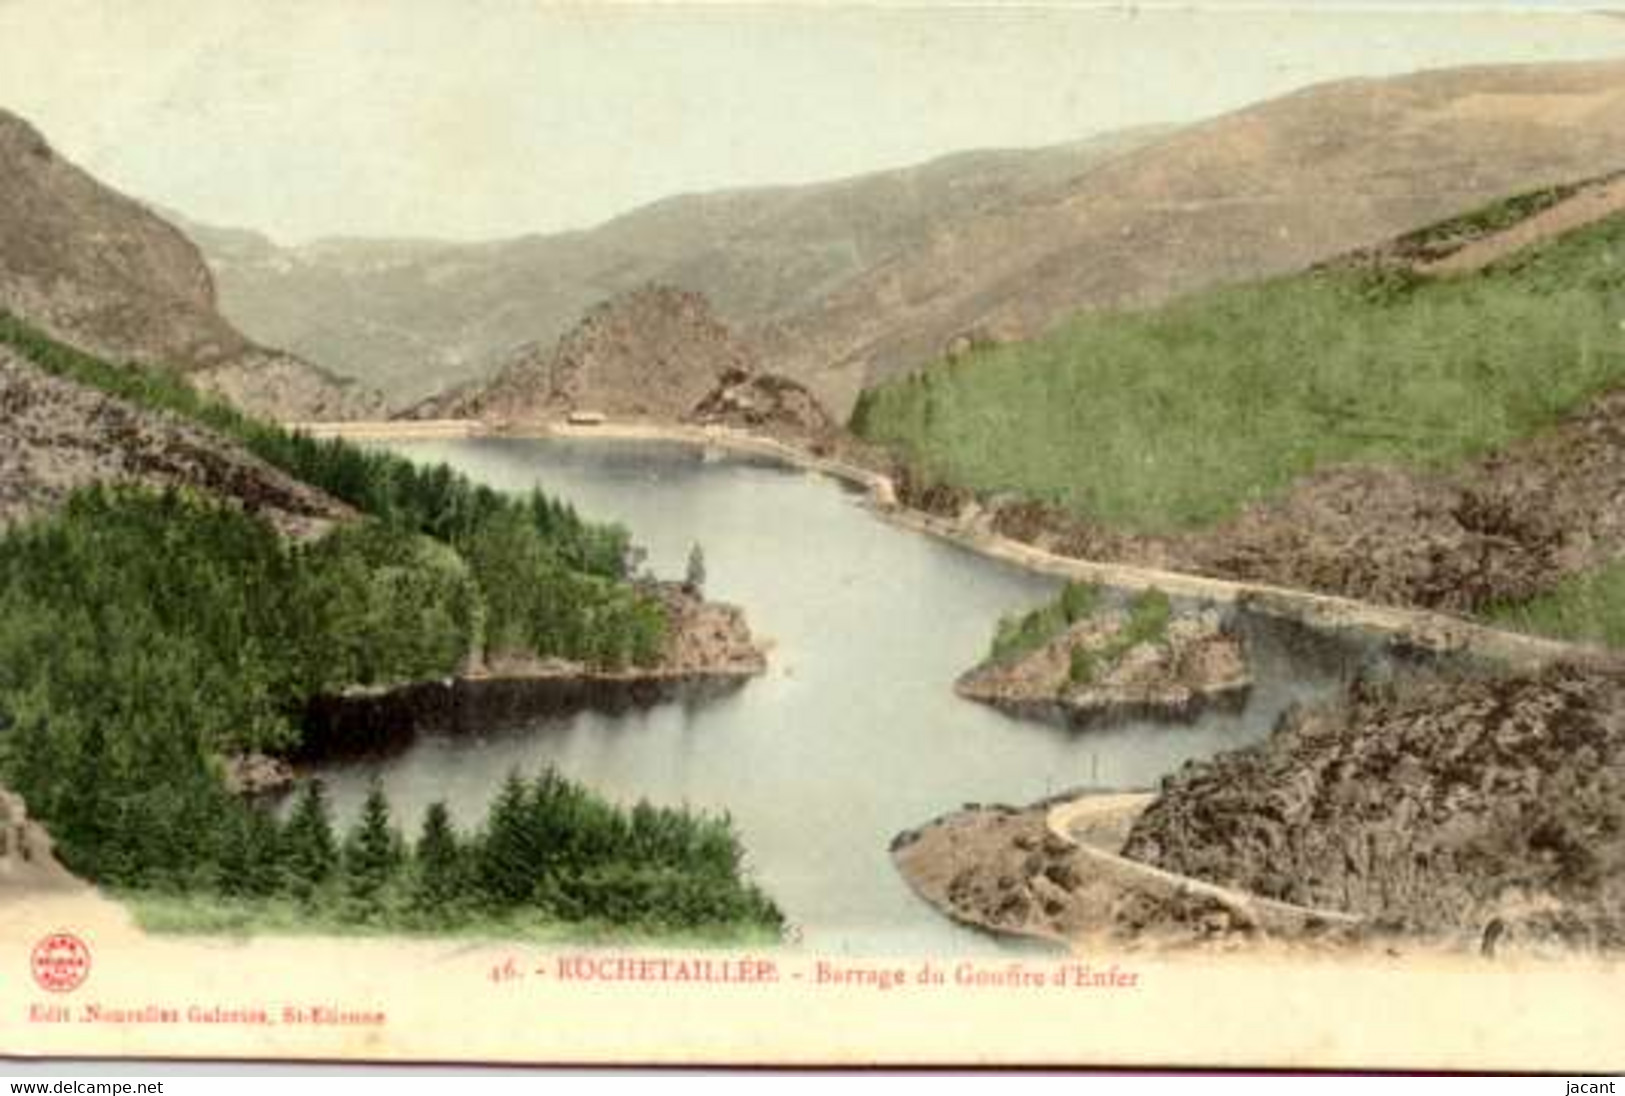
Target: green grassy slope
(1588, 608)
(1173, 418)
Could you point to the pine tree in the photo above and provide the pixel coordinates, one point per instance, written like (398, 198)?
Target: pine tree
(694, 579)
(310, 852)
(372, 851)
(862, 413)
(645, 632)
(36, 763)
(264, 849)
(508, 850)
(249, 854)
(1082, 666)
(86, 806)
(1078, 600)
(438, 862)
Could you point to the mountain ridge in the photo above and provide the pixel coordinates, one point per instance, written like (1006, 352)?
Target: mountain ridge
(461, 310)
(841, 285)
(101, 271)
(1264, 190)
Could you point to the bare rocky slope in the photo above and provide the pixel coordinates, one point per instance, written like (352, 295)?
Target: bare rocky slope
(100, 271)
(1502, 529)
(654, 353)
(1465, 808)
(843, 284)
(766, 403)
(56, 436)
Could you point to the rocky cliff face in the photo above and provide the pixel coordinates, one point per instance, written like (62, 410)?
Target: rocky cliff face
(1464, 808)
(102, 272)
(275, 386)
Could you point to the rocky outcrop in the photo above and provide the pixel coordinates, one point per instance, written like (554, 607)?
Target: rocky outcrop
(996, 867)
(101, 272)
(57, 436)
(1503, 528)
(655, 353)
(1003, 869)
(1381, 534)
(1093, 672)
(256, 775)
(1469, 809)
(1043, 525)
(26, 857)
(764, 403)
(707, 637)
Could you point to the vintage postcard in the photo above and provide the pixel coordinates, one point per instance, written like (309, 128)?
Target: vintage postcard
(1053, 534)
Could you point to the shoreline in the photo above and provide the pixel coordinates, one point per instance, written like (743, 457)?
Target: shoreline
(1049, 872)
(1052, 885)
(709, 650)
(1421, 629)
(380, 720)
(878, 486)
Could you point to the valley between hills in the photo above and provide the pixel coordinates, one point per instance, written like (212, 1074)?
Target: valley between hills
(1339, 370)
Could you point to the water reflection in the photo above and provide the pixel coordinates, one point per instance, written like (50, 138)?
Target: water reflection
(854, 733)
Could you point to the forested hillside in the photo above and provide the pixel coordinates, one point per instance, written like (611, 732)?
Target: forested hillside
(550, 582)
(148, 634)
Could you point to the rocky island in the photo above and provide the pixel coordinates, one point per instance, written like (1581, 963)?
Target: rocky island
(1083, 662)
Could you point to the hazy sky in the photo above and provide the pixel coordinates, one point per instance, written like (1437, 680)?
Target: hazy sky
(472, 118)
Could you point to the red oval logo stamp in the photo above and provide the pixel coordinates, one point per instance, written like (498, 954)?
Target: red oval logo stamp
(60, 962)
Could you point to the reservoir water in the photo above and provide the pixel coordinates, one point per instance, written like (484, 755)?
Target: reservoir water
(854, 733)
